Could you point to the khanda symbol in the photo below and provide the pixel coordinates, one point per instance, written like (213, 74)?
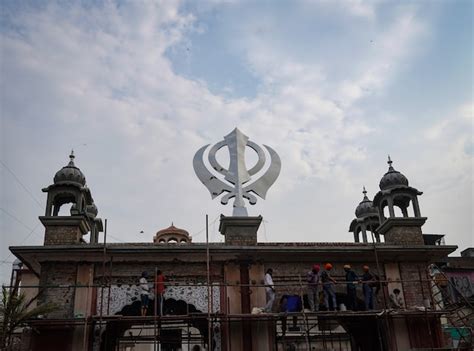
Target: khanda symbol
(237, 179)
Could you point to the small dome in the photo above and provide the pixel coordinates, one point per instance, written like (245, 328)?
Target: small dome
(92, 210)
(172, 235)
(365, 207)
(70, 173)
(392, 178)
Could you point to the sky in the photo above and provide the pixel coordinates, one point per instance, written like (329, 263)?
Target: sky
(137, 87)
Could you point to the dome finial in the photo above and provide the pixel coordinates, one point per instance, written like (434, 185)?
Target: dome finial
(71, 158)
(390, 163)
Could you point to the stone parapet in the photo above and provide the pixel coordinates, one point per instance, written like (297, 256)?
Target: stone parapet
(64, 230)
(241, 231)
(402, 230)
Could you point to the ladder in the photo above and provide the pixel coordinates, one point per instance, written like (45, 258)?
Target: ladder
(459, 312)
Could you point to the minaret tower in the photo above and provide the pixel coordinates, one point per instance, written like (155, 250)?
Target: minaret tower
(367, 220)
(69, 186)
(405, 227)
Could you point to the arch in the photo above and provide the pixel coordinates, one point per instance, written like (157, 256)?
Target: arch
(384, 212)
(61, 199)
(114, 330)
(172, 240)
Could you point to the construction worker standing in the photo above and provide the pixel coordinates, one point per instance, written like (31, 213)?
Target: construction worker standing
(368, 280)
(159, 290)
(269, 290)
(351, 280)
(313, 288)
(328, 287)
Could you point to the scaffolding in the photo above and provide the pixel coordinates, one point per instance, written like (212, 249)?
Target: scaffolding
(297, 330)
(289, 330)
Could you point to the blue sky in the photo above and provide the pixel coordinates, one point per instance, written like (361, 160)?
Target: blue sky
(334, 86)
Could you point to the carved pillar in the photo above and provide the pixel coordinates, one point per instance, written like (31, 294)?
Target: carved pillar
(356, 236)
(364, 233)
(390, 207)
(404, 211)
(416, 207)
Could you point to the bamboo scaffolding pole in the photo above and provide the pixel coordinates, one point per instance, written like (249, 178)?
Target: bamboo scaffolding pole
(209, 328)
(305, 318)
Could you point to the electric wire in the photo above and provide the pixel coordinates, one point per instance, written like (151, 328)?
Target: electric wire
(21, 183)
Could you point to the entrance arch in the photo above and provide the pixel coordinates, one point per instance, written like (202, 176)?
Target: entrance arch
(115, 331)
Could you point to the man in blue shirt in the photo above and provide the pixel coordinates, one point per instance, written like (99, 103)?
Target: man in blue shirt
(368, 280)
(351, 280)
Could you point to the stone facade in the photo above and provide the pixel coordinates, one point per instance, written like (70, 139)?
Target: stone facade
(404, 235)
(416, 289)
(62, 236)
(53, 275)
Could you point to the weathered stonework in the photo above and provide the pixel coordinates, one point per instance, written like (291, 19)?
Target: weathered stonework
(416, 291)
(53, 275)
(240, 231)
(65, 230)
(402, 230)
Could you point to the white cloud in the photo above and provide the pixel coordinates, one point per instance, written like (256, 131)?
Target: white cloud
(100, 76)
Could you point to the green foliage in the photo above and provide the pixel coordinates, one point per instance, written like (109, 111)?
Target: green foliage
(14, 312)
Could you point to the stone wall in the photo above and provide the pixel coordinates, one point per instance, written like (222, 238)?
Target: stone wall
(179, 272)
(404, 235)
(414, 290)
(62, 235)
(56, 274)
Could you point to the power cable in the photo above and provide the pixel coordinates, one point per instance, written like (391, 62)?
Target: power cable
(4, 261)
(22, 185)
(15, 218)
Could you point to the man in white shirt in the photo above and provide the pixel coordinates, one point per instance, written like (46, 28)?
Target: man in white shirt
(144, 293)
(269, 289)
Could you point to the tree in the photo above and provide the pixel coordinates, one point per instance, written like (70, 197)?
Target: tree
(15, 312)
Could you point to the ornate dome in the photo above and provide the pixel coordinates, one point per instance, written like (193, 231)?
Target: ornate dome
(365, 207)
(70, 173)
(172, 235)
(392, 178)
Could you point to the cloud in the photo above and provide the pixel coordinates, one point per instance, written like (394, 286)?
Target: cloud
(101, 75)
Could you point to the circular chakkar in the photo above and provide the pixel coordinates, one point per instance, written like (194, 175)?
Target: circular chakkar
(217, 166)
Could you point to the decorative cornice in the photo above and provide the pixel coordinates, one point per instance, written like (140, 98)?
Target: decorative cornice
(400, 222)
(66, 221)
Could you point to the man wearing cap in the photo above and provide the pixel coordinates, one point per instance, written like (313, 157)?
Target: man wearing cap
(368, 281)
(328, 287)
(313, 288)
(351, 280)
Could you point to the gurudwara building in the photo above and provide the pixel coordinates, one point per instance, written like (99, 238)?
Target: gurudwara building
(213, 294)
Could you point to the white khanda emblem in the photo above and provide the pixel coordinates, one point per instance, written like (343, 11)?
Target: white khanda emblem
(238, 177)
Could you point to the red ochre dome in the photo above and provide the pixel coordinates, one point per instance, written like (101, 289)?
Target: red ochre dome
(172, 235)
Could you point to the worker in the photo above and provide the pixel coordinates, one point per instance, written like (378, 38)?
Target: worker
(159, 290)
(396, 300)
(351, 282)
(144, 293)
(368, 281)
(328, 287)
(269, 290)
(313, 288)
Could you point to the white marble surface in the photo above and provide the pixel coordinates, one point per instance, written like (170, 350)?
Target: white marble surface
(122, 295)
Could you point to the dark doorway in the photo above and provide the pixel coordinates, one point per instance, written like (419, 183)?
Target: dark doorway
(171, 340)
